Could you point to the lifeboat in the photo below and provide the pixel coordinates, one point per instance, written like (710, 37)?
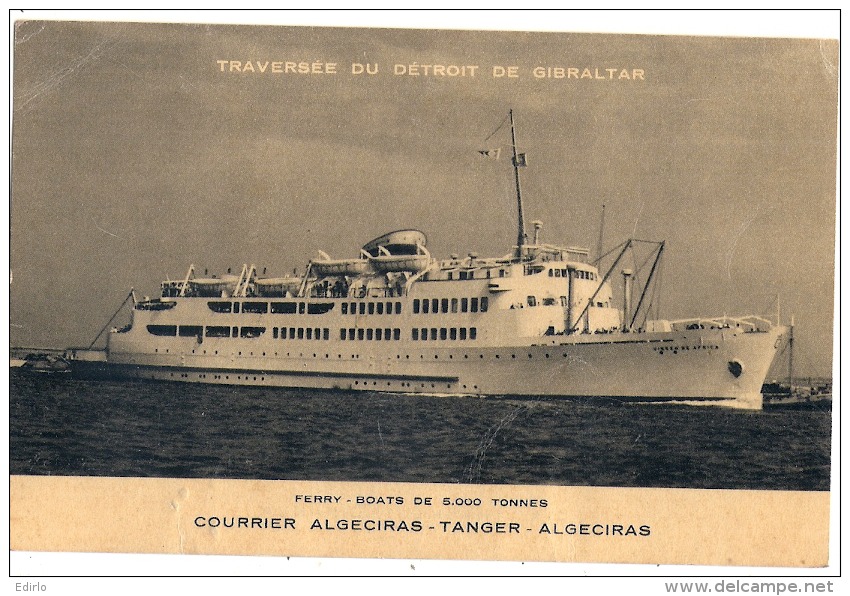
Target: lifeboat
(390, 263)
(399, 251)
(400, 242)
(214, 286)
(327, 267)
(277, 286)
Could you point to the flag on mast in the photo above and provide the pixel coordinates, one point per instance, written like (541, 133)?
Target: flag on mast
(521, 161)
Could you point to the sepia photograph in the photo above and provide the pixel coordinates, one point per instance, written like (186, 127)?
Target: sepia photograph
(432, 292)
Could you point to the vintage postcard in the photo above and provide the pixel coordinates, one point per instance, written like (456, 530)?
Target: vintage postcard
(422, 294)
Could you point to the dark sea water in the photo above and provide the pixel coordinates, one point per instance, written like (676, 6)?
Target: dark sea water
(63, 426)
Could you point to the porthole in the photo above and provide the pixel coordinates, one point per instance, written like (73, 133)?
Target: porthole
(735, 368)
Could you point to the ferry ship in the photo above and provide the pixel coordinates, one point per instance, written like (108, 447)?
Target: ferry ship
(541, 321)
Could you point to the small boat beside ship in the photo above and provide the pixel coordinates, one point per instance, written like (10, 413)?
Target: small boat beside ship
(40, 362)
(795, 393)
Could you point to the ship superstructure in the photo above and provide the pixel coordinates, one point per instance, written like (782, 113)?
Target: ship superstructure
(542, 320)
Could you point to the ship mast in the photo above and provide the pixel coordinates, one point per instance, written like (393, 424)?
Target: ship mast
(601, 234)
(791, 354)
(520, 240)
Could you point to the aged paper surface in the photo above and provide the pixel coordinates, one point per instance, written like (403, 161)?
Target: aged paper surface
(352, 83)
(744, 528)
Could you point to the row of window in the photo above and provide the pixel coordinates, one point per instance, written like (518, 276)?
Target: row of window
(470, 274)
(424, 305)
(280, 308)
(446, 305)
(302, 333)
(372, 308)
(198, 331)
(172, 330)
(451, 333)
(386, 334)
(579, 274)
(323, 333)
(282, 332)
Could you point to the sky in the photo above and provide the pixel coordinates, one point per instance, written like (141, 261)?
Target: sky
(136, 152)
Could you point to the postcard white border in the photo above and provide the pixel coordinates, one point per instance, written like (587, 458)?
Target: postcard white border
(808, 24)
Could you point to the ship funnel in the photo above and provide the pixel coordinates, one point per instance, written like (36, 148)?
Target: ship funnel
(627, 298)
(538, 225)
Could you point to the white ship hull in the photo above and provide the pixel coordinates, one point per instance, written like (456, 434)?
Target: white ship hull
(692, 366)
(540, 321)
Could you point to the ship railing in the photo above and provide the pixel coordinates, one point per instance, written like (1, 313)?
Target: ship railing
(547, 252)
(172, 289)
(751, 323)
(470, 263)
